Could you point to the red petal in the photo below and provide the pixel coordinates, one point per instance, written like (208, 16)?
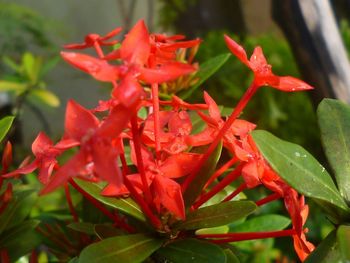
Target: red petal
(6, 158)
(97, 68)
(237, 50)
(79, 121)
(166, 72)
(180, 164)
(105, 162)
(168, 193)
(136, 47)
(180, 123)
(214, 111)
(128, 91)
(258, 61)
(111, 34)
(68, 170)
(46, 169)
(242, 127)
(76, 46)
(23, 170)
(41, 144)
(291, 84)
(251, 174)
(182, 44)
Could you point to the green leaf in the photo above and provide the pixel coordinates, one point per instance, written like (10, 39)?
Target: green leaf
(196, 186)
(259, 224)
(46, 97)
(231, 257)
(18, 208)
(83, 227)
(217, 215)
(128, 248)
(299, 169)
(11, 86)
(11, 63)
(326, 252)
(206, 70)
(5, 125)
(194, 251)
(262, 223)
(334, 121)
(20, 239)
(104, 231)
(125, 205)
(343, 237)
(50, 64)
(31, 66)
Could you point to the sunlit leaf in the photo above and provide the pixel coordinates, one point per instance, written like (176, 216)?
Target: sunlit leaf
(299, 169)
(343, 237)
(334, 121)
(5, 125)
(46, 97)
(11, 86)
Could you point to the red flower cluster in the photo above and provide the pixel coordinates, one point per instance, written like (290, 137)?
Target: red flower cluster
(163, 161)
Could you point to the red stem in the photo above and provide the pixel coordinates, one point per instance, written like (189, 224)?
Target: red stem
(33, 257)
(70, 203)
(267, 199)
(140, 165)
(144, 206)
(221, 185)
(156, 122)
(235, 192)
(234, 237)
(98, 50)
(221, 170)
(100, 207)
(237, 111)
(4, 256)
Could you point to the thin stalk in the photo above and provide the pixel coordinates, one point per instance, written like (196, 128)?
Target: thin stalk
(140, 165)
(70, 203)
(4, 256)
(98, 50)
(234, 237)
(217, 188)
(235, 192)
(155, 100)
(268, 199)
(237, 111)
(100, 207)
(144, 206)
(221, 170)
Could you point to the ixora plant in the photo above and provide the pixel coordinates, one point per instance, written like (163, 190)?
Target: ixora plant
(163, 173)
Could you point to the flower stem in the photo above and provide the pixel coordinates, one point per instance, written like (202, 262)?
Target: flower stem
(217, 188)
(237, 111)
(234, 237)
(156, 122)
(220, 171)
(98, 50)
(235, 192)
(70, 203)
(100, 207)
(140, 165)
(268, 199)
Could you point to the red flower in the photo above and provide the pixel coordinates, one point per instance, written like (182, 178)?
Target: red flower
(263, 75)
(45, 159)
(92, 39)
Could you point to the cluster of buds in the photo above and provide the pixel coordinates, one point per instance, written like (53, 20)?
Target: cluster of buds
(164, 159)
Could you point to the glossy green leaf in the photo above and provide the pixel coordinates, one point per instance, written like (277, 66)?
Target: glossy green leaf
(213, 230)
(5, 125)
(326, 252)
(18, 208)
(194, 251)
(46, 97)
(259, 224)
(125, 205)
(6, 86)
(298, 168)
(196, 186)
(343, 238)
(83, 227)
(206, 70)
(20, 239)
(334, 121)
(74, 260)
(127, 249)
(262, 223)
(217, 215)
